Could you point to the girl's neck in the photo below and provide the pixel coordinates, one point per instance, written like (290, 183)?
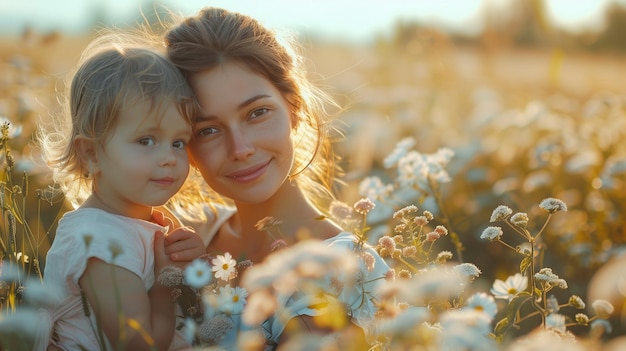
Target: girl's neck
(137, 212)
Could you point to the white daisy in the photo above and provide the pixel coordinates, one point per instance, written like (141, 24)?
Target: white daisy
(224, 266)
(232, 300)
(483, 302)
(197, 273)
(508, 289)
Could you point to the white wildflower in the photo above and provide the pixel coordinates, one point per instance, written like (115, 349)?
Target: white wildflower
(340, 210)
(501, 213)
(552, 205)
(546, 276)
(197, 273)
(491, 233)
(466, 329)
(224, 266)
(576, 302)
(363, 206)
(556, 321)
(189, 330)
(520, 219)
(582, 319)
(603, 308)
(232, 299)
(373, 188)
(600, 326)
(482, 302)
(510, 288)
(399, 151)
(467, 269)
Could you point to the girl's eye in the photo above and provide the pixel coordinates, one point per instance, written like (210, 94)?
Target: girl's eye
(146, 141)
(179, 144)
(207, 131)
(259, 112)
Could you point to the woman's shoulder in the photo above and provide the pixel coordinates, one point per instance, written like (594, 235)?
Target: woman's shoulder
(208, 223)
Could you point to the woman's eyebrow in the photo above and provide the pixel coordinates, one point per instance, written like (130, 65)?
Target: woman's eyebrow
(242, 105)
(251, 100)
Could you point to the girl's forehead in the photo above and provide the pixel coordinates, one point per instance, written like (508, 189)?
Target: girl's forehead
(147, 113)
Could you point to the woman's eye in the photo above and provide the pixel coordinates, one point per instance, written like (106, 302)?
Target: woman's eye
(146, 141)
(207, 131)
(179, 144)
(259, 112)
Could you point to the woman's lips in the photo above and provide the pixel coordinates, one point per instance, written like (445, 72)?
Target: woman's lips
(249, 174)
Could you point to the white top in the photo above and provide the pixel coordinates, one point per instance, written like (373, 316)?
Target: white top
(67, 259)
(358, 299)
(361, 310)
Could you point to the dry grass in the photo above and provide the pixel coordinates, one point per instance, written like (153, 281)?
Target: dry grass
(511, 115)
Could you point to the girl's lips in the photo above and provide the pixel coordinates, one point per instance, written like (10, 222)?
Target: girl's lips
(164, 181)
(249, 174)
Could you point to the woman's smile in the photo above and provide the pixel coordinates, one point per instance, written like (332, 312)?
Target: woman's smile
(249, 174)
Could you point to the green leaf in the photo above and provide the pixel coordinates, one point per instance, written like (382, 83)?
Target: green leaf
(516, 303)
(501, 327)
(526, 262)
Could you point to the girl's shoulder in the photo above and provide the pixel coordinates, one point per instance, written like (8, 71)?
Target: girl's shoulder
(85, 223)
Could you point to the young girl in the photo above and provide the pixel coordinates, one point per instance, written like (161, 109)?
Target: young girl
(262, 142)
(118, 153)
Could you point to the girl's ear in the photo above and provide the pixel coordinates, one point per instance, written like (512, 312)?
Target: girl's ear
(87, 155)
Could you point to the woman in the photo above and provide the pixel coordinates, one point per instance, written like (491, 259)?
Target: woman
(262, 141)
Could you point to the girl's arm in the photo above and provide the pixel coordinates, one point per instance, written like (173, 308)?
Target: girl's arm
(130, 317)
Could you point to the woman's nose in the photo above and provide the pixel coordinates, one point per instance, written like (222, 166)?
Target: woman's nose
(241, 146)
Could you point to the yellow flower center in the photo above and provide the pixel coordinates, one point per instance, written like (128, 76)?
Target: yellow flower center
(512, 291)
(236, 298)
(225, 266)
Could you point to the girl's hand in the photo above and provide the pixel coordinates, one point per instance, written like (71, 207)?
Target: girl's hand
(161, 219)
(161, 257)
(183, 245)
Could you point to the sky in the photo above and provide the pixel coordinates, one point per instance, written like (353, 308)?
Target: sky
(352, 20)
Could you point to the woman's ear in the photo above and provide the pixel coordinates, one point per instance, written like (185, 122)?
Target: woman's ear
(86, 152)
(295, 119)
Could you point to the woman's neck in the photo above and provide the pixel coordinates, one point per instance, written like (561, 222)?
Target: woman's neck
(297, 215)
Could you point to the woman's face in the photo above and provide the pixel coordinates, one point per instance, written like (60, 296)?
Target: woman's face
(242, 143)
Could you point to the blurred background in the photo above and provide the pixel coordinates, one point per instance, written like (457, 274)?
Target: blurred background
(529, 94)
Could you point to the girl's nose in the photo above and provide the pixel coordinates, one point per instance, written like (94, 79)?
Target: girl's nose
(168, 156)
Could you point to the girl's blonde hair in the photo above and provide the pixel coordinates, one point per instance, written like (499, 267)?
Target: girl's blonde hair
(115, 70)
(215, 36)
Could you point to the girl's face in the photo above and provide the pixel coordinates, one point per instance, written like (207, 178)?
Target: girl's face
(143, 162)
(242, 144)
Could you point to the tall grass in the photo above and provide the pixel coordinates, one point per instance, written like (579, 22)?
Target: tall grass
(524, 125)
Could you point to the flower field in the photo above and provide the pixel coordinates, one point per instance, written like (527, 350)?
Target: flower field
(497, 177)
